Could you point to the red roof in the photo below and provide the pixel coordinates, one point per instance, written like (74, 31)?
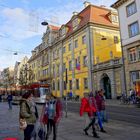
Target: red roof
(94, 14)
(54, 27)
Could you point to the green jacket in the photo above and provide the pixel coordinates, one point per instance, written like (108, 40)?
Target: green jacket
(26, 113)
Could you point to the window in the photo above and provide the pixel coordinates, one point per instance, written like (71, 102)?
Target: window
(135, 75)
(58, 69)
(57, 52)
(111, 54)
(64, 67)
(131, 9)
(70, 84)
(64, 49)
(53, 85)
(58, 85)
(116, 39)
(84, 39)
(76, 43)
(133, 29)
(132, 55)
(75, 23)
(77, 83)
(53, 54)
(139, 53)
(53, 69)
(97, 59)
(65, 87)
(114, 18)
(85, 61)
(70, 65)
(77, 61)
(70, 47)
(63, 31)
(85, 83)
(47, 71)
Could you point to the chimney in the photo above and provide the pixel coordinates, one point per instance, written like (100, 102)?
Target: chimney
(33, 52)
(86, 3)
(75, 13)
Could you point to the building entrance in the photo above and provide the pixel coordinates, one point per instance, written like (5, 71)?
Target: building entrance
(106, 85)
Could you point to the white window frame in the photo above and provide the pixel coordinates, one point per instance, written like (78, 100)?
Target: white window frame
(131, 9)
(133, 29)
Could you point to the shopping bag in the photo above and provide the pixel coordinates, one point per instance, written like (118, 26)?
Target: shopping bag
(22, 124)
(41, 132)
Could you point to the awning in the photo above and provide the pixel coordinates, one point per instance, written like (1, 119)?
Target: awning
(45, 85)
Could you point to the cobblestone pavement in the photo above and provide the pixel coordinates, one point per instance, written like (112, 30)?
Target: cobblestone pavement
(69, 129)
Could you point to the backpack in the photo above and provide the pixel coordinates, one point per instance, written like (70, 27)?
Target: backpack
(51, 109)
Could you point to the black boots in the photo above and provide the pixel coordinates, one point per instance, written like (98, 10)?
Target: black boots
(95, 135)
(85, 130)
(102, 130)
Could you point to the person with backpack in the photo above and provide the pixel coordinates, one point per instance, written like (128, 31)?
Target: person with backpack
(88, 107)
(27, 114)
(52, 115)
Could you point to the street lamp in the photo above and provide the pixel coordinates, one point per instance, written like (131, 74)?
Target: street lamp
(123, 65)
(44, 23)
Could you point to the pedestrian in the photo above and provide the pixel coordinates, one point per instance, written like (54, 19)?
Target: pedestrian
(35, 111)
(44, 116)
(100, 101)
(9, 99)
(98, 113)
(88, 107)
(27, 113)
(70, 95)
(53, 113)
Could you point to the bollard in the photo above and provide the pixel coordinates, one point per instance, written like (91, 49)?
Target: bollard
(66, 107)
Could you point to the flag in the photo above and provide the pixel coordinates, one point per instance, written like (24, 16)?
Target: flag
(78, 65)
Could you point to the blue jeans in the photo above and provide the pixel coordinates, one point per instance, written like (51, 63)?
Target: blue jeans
(99, 119)
(10, 104)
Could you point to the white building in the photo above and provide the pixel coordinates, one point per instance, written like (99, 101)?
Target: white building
(129, 17)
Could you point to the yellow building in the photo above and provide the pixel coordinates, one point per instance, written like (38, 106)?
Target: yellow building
(84, 45)
(89, 38)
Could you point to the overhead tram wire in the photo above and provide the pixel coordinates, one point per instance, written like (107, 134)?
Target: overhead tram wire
(14, 52)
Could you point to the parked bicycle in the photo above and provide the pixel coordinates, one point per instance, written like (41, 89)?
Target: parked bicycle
(124, 99)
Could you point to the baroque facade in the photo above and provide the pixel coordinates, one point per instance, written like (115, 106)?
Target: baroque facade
(67, 59)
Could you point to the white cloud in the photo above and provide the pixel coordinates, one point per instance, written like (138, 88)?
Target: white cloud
(17, 24)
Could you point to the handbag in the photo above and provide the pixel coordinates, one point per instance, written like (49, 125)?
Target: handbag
(41, 133)
(22, 124)
(45, 119)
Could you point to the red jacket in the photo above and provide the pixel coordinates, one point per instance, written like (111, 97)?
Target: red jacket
(87, 107)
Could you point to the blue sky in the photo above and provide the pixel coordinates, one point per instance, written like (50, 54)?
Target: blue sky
(20, 28)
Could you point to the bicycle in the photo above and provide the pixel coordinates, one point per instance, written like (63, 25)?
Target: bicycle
(124, 100)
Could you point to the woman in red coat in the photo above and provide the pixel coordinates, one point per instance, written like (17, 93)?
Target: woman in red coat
(87, 106)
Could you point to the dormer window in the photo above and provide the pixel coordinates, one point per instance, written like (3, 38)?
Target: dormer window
(114, 18)
(63, 30)
(75, 23)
